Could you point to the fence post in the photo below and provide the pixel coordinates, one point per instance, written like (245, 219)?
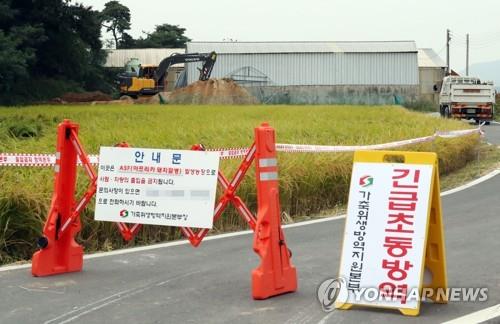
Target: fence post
(275, 275)
(60, 253)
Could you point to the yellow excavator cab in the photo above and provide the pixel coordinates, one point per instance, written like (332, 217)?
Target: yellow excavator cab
(134, 86)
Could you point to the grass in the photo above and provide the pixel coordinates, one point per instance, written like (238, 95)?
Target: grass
(421, 105)
(309, 183)
(487, 159)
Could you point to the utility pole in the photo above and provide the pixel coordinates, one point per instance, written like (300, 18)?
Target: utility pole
(467, 58)
(448, 38)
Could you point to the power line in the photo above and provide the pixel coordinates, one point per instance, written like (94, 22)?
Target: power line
(476, 41)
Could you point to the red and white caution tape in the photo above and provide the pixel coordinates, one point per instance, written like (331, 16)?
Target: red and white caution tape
(299, 148)
(458, 133)
(35, 160)
(40, 160)
(231, 153)
(326, 149)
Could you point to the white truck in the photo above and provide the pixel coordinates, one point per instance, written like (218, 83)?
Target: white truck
(467, 97)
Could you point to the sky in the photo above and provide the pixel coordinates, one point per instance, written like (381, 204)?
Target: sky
(424, 21)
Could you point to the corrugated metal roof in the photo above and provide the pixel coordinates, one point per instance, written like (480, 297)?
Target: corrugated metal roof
(427, 57)
(118, 57)
(302, 47)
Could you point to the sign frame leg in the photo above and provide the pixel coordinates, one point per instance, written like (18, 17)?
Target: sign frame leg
(435, 251)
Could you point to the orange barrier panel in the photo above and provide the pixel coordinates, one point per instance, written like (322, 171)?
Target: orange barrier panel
(275, 275)
(59, 251)
(229, 196)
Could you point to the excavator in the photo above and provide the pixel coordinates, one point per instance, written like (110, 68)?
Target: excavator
(149, 80)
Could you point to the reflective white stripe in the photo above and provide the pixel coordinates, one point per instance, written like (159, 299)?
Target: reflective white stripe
(268, 176)
(186, 233)
(248, 215)
(236, 178)
(87, 169)
(223, 183)
(58, 155)
(65, 224)
(217, 208)
(80, 205)
(56, 168)
(201, 233)
(244, 212)
(134, 227)
(250, 155)
(268, 162)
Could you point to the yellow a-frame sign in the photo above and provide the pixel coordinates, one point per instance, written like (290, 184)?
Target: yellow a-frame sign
(394, 230)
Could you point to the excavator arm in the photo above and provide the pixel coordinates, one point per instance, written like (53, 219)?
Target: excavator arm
(208, 60)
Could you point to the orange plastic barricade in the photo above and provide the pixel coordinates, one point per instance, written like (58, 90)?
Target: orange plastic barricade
(60, 253)
(275, 275)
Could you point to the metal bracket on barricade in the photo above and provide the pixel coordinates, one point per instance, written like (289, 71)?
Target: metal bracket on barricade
(59, 252)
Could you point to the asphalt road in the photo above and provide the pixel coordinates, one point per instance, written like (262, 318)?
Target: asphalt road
(211, 284)
(493, 132)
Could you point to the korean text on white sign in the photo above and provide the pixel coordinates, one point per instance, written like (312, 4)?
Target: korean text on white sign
(156, 186)
(385, 232)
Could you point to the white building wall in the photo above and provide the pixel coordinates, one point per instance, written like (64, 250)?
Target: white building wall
(117, 58)
(336, 68)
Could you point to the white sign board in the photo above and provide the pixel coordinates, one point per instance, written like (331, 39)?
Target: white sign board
(384, 240)
(155, 186)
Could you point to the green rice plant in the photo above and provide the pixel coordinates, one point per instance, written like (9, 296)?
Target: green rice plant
(309, 182)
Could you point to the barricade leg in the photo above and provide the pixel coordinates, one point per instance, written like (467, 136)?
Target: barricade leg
(59, 251)
(275, 275)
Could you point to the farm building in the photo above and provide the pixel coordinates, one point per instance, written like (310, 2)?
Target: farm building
(117, 58)
(431, 70)
(317, 72)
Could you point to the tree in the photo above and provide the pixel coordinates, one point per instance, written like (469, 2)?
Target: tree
(116, 19)
(127, 41)
(17, 46)
(72, 49)
(164, 36)
(52, 40)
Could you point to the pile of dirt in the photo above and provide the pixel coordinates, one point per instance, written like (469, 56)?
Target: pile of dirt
(156, 99)
(85, 96)
(213, 91)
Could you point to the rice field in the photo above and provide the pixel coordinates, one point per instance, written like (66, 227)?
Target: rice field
(309, 182)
